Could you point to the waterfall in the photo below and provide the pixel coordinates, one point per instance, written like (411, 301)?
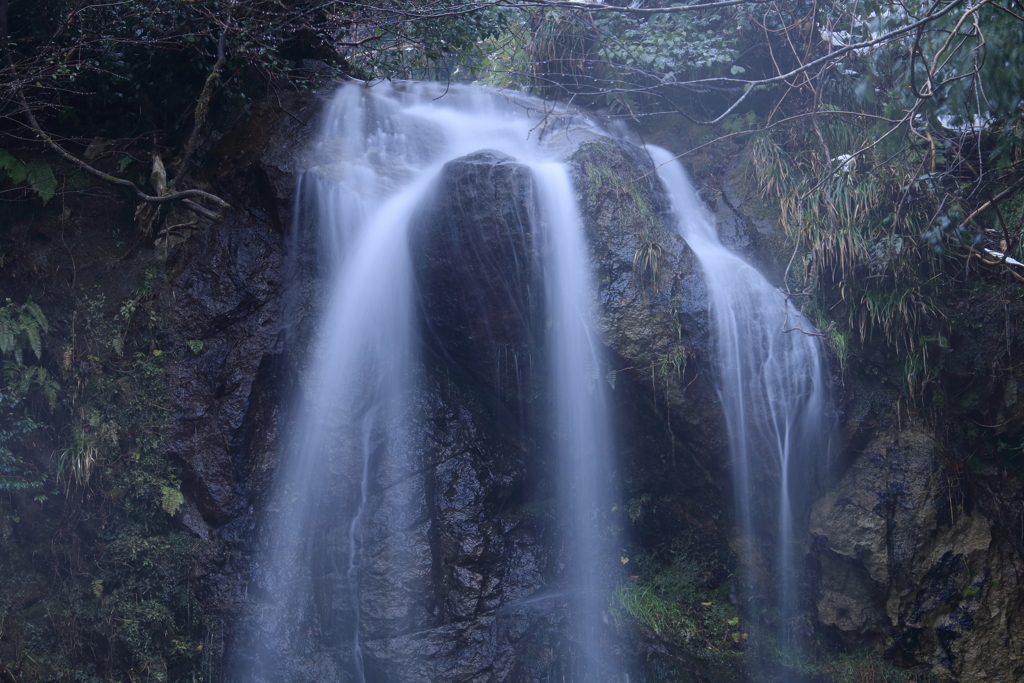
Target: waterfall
(771, 379)
(582, 421)
(353, 434)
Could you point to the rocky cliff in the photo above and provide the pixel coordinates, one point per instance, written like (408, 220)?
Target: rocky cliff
(147, 568)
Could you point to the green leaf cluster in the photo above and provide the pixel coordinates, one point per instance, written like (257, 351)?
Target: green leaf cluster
(15, 426)
(128, 603)
(674, 46)
(21, 328)
(37, 174)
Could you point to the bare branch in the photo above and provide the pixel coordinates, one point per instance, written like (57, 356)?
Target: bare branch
(203, 104)
(602, 7)
(106, 177)
(79, 163)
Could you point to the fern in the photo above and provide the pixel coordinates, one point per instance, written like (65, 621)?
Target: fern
(6, 333)
(20, 379)
(22, 327)
(32, 309)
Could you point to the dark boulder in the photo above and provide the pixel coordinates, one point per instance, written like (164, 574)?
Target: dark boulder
(477, 272)
(906, 565)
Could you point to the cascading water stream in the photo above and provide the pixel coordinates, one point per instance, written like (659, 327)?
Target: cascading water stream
(583, 448)
(773, 388)
(380, 155)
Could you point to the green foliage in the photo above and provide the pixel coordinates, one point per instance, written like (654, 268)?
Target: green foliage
(22, 380)
(559, 46)
(110, 595)
(636, 507)
(883, 237)
(675, 46)
(136, 605)
(680, 606)
(836, 337)
(880, 203)
(21, 328)
(647, 607)
(15, 426)
(89, 434)
(647, 265)
(435, 46)
(611, 58)
(37, 174)
(171, 500)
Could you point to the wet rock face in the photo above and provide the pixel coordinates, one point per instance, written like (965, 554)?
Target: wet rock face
(906, 564)
(873, 525)
(474, 553)
(452, 552)
(224, 396)
(460, 578)
(654, 322)
(746, 224)
(477, 271)
(225, 301)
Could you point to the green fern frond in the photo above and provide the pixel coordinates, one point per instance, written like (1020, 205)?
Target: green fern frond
(6, 334)
(22, 327)
(32, 308)
(35, 341)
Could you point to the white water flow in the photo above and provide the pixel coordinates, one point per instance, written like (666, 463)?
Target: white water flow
(583, 438)
(772, 383)
(380, 153)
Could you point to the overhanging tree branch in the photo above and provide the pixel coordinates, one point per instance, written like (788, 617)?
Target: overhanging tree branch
(603, 7)
(48, 140)
(121, 182)
(203, 103)
(820, 61)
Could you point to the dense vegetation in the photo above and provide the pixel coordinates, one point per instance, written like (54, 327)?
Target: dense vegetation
(849, 108)
(892, 136)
